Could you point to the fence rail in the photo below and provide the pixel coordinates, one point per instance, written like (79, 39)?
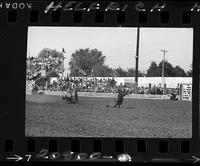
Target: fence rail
(111, 95)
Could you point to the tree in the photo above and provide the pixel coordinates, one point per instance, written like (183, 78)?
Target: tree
(85, 59)
(102, 71)
(120, 72)
(131, 73)
(46, 53)
(189, 73)
(56, 54)
(168, 69)
(153, 70)
(179, 72)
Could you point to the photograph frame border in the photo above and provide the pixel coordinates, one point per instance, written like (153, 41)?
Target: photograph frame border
(14, 121)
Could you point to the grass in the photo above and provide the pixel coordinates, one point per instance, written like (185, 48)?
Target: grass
(139, 118)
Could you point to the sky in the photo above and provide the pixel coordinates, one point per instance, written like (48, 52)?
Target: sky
(117, 44)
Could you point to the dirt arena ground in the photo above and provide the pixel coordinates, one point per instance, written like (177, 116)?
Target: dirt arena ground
(50, 116)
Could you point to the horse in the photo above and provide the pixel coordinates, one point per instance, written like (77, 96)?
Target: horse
(71, 96)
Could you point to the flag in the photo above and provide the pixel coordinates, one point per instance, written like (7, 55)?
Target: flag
(92, 72)
(82, 72)
(63, 50)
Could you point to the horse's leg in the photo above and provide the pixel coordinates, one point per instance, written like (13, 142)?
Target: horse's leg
(76, 100)
(68, 99)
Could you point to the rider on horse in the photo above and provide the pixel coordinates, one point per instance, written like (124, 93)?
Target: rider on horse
(71, 95)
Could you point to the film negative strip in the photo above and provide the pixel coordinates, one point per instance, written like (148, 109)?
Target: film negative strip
(100, 81)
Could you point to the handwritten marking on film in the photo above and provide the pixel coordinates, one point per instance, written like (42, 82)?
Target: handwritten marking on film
(68, 155)
(75, 5)
(79, 6)
(196, 6)
(18, 158)
(28, 157)
(15, 158)
(194, 159)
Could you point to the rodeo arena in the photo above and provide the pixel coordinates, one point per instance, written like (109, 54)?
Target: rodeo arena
(66, 106)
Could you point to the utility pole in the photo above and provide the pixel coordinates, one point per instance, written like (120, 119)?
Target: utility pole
(163, 68)
(137, 56)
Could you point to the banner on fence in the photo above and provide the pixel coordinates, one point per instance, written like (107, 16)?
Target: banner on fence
(186, 92)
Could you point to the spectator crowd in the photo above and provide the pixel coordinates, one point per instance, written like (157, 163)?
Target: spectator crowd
(35, 65)
(84, 84)
(102, 85)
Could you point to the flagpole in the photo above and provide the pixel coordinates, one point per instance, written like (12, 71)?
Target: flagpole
(29, 52)
(63, 65)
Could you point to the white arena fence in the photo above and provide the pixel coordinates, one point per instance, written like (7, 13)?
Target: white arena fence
(171, 82)
(111, 95)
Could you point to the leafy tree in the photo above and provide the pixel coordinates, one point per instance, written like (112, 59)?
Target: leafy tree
(102, 71)
(179, 72)
(85, 59)
(168, 69)
(131, 73)
(120, 72)
(153, 70)
(46, 53)
(56, 54)
(189, 73)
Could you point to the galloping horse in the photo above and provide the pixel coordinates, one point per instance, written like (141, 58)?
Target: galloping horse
(71, 96)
